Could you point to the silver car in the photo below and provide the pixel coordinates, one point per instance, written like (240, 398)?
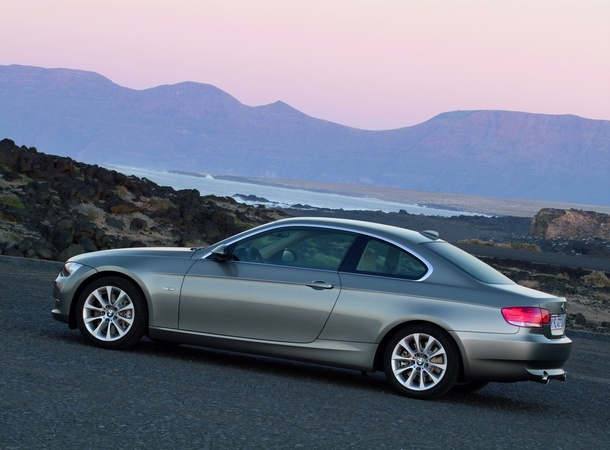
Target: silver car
(345, 293)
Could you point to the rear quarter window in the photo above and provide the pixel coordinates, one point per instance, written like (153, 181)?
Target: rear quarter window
(381, 258)
(467, 263)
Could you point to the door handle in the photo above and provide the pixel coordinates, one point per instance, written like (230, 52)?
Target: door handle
(318, 285)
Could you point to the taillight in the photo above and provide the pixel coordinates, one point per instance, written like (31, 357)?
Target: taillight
(527, 316)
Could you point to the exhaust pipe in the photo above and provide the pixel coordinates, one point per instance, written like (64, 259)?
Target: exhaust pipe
(543, 376)
(560, 377)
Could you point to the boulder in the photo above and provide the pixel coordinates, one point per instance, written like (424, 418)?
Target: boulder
(552, 223)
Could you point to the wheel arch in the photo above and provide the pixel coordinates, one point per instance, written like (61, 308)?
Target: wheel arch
(105, 274)
(378, 361)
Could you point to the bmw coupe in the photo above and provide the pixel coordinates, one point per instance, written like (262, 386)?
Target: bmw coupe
(346, 293)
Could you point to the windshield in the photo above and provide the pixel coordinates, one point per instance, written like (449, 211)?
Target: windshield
(468, 263)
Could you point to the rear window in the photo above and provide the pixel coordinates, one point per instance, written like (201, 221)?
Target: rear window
(468, 263)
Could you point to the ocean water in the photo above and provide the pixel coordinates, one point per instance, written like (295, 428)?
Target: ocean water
(279, 196)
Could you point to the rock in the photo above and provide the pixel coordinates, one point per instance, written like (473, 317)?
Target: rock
(115, 223)
(87, 243)
(45, 253)
(72, 250)
(137, 224)
(12, 251)
(552, 223)
(71, 207)
(121, 207)
(60, 239)
(580, 319)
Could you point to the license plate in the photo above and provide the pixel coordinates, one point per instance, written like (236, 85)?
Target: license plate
(558, 324)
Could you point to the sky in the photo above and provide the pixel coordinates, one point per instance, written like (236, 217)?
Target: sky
(370, 64)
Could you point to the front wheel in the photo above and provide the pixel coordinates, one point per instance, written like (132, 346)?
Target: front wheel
(111, 313)
(422, 361)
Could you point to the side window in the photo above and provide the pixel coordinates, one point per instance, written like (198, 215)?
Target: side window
(314, 248)
(381, 258)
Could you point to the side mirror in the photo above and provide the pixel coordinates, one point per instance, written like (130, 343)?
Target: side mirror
(221, 253)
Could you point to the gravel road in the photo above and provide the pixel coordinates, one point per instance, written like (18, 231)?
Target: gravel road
(58, 392)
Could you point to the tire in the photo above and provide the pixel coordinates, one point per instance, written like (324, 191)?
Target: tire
(422, 361)
(469, 386)
(111, 313)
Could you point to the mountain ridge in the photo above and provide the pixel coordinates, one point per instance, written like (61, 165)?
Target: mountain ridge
(191, 125)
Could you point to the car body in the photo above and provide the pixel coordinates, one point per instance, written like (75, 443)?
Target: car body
(346, 293)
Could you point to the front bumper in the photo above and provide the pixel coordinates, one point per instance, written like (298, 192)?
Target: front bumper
(58, 315)
(65, 295)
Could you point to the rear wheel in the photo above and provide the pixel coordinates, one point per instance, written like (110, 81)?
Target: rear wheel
(111, 313)
(422, 361)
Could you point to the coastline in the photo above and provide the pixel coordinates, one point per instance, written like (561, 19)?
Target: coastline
(495, 206)
(458, 202)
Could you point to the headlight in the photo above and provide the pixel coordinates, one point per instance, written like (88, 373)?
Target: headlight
(69, 268)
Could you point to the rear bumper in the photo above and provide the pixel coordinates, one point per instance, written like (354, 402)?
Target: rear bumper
(522, 356)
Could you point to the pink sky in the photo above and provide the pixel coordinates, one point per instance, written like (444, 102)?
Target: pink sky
(373, 64)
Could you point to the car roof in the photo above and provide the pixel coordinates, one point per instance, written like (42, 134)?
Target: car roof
(360, 226)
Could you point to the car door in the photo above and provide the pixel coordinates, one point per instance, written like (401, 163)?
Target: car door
(278, 286)
(380, 283)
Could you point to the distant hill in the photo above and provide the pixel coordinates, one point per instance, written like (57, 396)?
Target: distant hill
(52, 207)
(197, 127)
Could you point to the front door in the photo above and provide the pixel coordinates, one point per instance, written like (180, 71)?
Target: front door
(280, 286)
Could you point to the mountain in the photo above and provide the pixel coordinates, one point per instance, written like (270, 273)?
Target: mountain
(197, 127)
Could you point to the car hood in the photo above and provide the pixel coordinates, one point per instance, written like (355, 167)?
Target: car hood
(149, 252)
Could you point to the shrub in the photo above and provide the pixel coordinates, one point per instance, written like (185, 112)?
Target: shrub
(123, 193)
(525, 246)
(9, 238)
(12, 201)
(596, 279)
(160, 204)
(477, 242)
(92, 212)
(533, 284)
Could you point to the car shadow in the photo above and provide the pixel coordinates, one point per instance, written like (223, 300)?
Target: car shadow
(489, 400)
(496, 396)
(266, 365)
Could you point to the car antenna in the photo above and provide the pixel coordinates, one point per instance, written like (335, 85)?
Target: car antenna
(430, 234)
